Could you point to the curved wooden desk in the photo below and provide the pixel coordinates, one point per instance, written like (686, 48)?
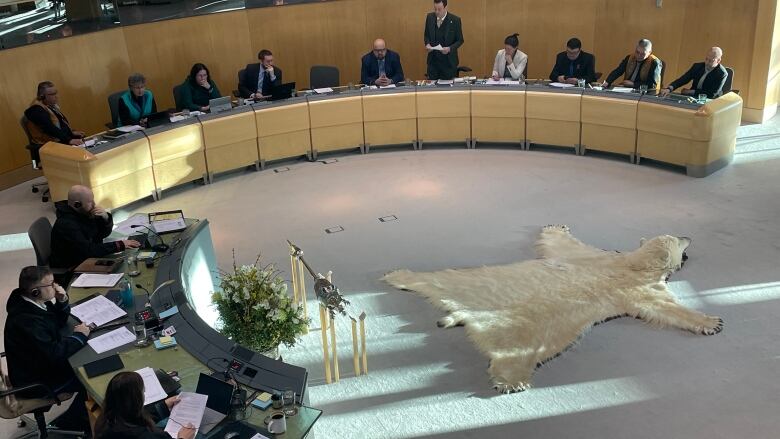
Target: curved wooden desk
(699, 137)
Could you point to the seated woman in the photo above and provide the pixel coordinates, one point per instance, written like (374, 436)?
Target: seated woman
(510, 62)
(124, 416)
(136, 103)
(198, 89)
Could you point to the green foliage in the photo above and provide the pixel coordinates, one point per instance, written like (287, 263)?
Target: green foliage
(255, 309)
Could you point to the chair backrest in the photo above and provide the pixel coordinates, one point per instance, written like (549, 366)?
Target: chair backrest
(40, 235)
(323, 76)
(8, 404)
(240, 75)
(663, 72)
(31, 147)
(113, 106)
(729, 80)
(177, 96)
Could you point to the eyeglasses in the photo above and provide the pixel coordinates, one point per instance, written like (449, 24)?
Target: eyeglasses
(51, 285)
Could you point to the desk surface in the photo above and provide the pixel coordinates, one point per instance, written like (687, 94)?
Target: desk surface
(178, 358)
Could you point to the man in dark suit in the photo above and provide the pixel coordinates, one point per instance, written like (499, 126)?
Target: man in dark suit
(259, 79)
(574, 64)
(707, 77)
(381, 66)
(442, 29)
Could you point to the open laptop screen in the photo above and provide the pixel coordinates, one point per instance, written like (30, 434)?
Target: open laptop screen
(219, 392)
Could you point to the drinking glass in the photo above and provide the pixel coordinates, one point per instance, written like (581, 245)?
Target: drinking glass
(702, 99)
(581, 83)
(132, 264)
(643, 89)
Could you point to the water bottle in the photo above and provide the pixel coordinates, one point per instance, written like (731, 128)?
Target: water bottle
(125, 288)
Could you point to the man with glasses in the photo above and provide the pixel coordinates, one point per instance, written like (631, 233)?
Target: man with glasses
(45, 121)
(381, 66)
(574, 64)
(36, 350)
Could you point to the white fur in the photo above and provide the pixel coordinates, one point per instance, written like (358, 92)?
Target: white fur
(523, 314)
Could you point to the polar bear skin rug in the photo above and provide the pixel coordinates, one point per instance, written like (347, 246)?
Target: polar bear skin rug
(522, 314)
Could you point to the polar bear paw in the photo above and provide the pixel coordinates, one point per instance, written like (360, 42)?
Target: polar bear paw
(713, 326)
(504, 387)
(554, 227)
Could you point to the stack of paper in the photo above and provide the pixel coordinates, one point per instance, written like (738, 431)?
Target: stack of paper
(622, 89)
(125, 228)
(323, 90)
(560, 85)
(129, 128)
(189, 410)
(99, 311)
(112, 340)
(153, 390)
(89, 280)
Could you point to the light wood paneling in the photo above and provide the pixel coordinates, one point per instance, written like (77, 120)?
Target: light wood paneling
(85, 69)
(165, 51)
(331, 33)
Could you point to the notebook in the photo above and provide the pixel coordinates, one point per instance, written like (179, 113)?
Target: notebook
(103, 366)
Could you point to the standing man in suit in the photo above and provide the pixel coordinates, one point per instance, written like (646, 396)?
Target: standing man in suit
(574, 64)
(381, 66)
(708, 77)
(259, 79)
(444, 29)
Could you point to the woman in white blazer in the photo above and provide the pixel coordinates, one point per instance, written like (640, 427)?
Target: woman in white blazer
(510, 62)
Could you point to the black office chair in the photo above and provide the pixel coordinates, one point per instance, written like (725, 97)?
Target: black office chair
(663, 71)
(14, 407)
(729, 81)
(113, 106)
(35, 157)
(525, 70)
(237, 91)
(323, 76)
(597, 76)
(177, 96)
(462, 69)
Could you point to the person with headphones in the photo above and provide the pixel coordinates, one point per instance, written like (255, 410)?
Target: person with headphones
(79, 230)
(36, 349)
(45, 121)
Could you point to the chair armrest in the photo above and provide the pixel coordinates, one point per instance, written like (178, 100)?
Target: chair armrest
(39, 386)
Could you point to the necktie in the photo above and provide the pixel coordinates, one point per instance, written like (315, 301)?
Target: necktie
(439, 21)
(260, 80)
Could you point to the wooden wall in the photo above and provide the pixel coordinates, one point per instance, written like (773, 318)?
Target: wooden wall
(88, 68)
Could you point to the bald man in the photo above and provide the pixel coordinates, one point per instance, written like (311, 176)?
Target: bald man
(381, 66)
(79, 230)
(707, 77)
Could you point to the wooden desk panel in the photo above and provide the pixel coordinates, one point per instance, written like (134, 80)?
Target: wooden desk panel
(178, 155)
(444, 116)
(336, 124)
(390, 119)
(553, 118)
(65, 166)
(498, 116)
(283, 131)
(230, 142)
(609, 124)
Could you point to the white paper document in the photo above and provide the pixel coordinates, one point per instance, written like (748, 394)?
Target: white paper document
(502, 81)
(259, 436)
(89, 142)
(153, 390)
(445, 82)
(169, 225)
(99, 311)
(388, 86)
(622, 89)
(88, 280)
(189, 410)
(560, 85)
(437, 47)
(129, 128)
(112, 340)
(125, 228)
(174, 119)
(323, 90)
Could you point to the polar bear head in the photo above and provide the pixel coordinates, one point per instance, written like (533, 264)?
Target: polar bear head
(663, 255)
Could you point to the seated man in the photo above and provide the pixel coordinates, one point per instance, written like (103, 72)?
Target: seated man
(639, 68)
(79, 230)
(136, 103)
(45, 121)
(36, 349)
(574, 64)
(381, 66)
(259, 79)
(708, 77)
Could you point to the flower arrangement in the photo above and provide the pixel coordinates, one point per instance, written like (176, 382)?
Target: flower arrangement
(255, 309)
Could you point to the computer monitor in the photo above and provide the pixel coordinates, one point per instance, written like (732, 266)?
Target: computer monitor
(220, 104)
(158, 119)
(219, 392)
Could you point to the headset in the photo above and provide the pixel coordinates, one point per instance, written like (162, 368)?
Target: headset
(77, 204)
(35, 293)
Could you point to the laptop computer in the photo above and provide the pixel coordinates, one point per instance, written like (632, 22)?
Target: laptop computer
(158, 119)
(220, 395)
(282, 91)
(220, 104)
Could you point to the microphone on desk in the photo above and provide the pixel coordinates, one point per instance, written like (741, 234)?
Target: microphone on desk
(161, 246)
(149, 296)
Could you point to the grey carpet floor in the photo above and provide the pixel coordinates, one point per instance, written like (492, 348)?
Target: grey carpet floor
(459, 208)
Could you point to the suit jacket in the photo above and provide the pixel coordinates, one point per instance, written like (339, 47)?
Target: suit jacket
(517, 68)
(247, 84)
(584, 67)
(76, 237)
(369, 70)
(453, 36)
(713, 83)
